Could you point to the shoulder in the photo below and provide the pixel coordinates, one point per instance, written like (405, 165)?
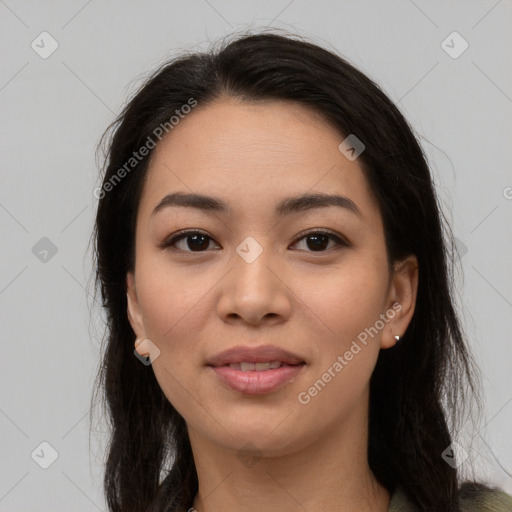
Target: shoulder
(400, 502)
(477, 497)
(472, 497)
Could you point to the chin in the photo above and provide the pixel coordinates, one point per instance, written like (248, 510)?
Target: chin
(268, 439)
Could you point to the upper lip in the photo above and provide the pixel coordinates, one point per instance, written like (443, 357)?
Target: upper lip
(260, 354)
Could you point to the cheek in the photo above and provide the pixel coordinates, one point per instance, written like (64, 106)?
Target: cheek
(346, 355)
(345, 300)
(172, 303)
(177, 309)
(173, 308)
(347, 305)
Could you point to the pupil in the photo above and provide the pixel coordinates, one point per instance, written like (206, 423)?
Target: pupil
(318, 245)
(194, 246)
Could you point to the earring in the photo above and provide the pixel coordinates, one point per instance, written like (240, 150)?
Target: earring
(138, 341)
(397, 337)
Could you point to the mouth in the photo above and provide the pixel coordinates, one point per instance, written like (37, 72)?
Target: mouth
(247, 366)
(263, 356)
(256, 370)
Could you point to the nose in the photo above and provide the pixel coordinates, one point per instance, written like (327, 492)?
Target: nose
(255, 290)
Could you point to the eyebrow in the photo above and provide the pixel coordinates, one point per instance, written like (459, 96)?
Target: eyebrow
(286, 206)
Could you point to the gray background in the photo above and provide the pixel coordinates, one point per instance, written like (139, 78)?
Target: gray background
(54, 109)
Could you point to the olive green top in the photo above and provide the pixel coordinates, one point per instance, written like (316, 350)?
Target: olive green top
(470, 500)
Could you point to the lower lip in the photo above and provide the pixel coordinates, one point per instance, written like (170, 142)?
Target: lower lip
(257, 382)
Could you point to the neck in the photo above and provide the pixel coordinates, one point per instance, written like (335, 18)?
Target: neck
(330, 474)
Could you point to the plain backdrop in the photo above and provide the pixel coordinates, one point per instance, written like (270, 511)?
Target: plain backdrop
(54, 108)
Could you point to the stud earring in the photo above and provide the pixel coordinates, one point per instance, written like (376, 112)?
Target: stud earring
(144, 348)
(397, 337)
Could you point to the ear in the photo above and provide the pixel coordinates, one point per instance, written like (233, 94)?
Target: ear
(133, 309)
(401, 300)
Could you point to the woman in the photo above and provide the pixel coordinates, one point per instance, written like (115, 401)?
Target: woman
(281, 328)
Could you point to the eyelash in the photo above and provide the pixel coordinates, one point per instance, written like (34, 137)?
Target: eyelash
(170, 241)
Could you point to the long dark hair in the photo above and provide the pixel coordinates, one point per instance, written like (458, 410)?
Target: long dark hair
(418, 389)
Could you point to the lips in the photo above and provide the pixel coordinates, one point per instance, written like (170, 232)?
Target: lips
(256, 370)
(263, 354)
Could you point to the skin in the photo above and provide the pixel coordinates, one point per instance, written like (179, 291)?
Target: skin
(267, 452)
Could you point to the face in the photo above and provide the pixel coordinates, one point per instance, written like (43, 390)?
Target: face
(304, 287)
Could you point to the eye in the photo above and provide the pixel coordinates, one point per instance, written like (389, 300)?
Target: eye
(197, 241)
(317, 240)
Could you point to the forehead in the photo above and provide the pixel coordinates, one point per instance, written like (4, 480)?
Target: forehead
(253, 154)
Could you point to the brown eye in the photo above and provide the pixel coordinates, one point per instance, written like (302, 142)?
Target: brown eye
(190, 241)
(318, 241)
